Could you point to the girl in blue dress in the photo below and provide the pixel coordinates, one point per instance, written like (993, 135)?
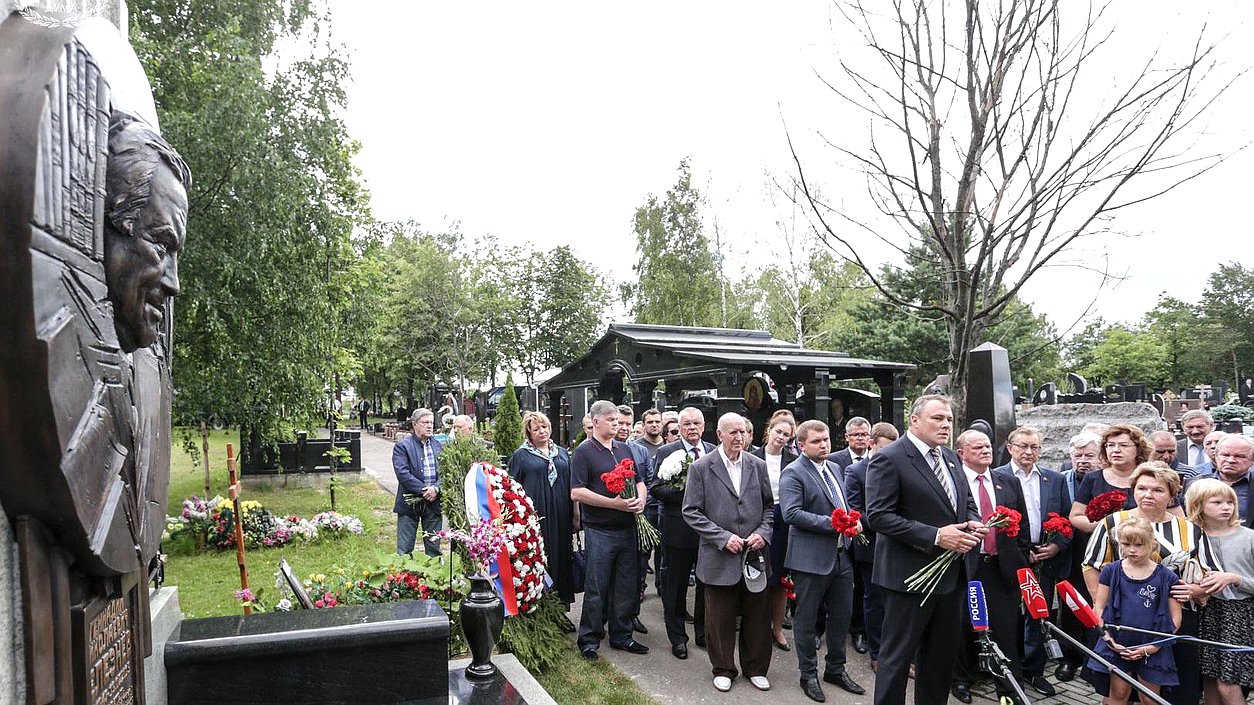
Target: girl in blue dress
(1135, 591)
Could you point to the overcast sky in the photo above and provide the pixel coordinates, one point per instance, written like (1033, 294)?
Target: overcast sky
(550, 123)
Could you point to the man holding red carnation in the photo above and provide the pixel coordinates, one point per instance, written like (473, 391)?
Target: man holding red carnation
(811, 489)
(609, 526)
(1046, 499)
(995, 562)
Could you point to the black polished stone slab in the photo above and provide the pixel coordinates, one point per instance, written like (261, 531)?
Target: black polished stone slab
(386, 653)
(498, 691)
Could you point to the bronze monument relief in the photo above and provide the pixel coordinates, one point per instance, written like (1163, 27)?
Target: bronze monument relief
(93, 216)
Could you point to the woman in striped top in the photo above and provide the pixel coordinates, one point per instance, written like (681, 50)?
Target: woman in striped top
(1155, 487)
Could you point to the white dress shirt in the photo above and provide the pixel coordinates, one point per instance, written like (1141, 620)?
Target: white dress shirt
(734, 470)
(1030, 481)
(973, 481)
(926, 451)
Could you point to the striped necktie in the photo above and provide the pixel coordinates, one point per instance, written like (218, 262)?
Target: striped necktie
(938, 468)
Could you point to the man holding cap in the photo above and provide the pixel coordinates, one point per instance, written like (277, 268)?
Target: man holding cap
(728, 502)
(810, 489)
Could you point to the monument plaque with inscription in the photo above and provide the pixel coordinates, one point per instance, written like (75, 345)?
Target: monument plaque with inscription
(93, 209)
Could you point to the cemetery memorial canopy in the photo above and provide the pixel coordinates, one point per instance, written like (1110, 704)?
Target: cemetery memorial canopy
(736, 364)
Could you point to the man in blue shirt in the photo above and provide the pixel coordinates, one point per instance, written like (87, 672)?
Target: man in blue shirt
(416, 462)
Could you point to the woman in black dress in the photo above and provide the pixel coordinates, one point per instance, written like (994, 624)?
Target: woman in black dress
(543, 469)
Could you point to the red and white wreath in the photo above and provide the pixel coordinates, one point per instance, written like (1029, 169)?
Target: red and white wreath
(523, 541)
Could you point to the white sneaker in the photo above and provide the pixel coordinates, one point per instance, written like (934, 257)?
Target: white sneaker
(722, 684)
(760, 682)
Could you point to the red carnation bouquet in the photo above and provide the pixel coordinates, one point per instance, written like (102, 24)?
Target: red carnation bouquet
(622, 482)
(1055, 525)
(846, 524)
(1003, 520)
(1105, 504)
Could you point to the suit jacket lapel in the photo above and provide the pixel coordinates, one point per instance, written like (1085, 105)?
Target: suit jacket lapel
(720, 471)
(921, 465)
(745, 471)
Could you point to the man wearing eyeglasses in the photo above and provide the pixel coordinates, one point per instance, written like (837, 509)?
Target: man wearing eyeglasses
(858, 438)
(1044, 492)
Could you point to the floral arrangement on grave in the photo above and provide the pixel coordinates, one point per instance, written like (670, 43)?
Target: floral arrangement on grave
(674, 470)
(1055, 526)
(846, 524)
(214, 519)
(1105, 504)
(517, 568)
(1003, 520)
(622, 482)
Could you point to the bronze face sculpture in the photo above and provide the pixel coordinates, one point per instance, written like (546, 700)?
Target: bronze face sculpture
(145, 228)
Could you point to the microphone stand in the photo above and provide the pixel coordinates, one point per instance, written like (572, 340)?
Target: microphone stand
(995, 662)
(1180, 637)
(1114, 670)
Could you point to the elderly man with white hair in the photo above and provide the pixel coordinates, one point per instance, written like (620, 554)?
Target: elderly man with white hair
(1233, 458)
(1083, 452)
(728, 502)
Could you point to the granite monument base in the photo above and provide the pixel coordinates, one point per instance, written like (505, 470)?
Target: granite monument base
(512, 685)
(1059, 422)
(166, 617)
(385, 653)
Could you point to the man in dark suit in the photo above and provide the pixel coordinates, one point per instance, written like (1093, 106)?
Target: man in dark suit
(858, 440)
(882, 434)
(1044, 492)
(920, 505)
(995, 563)
(810, 489)
(858, 447)
(643, 460)
(416, 463)
(1191, 451)
(679, 541)
(728, 502)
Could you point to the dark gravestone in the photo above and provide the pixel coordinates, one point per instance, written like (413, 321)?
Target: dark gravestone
(395, 652)
(93, 210)
(1046, 395)
(990, 395)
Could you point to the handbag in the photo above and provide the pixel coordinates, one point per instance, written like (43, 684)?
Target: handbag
(579, 564)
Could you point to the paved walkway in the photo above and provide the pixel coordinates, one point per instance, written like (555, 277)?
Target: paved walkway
(670, 681)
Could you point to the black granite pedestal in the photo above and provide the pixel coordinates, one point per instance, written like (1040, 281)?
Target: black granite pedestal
(387, 653)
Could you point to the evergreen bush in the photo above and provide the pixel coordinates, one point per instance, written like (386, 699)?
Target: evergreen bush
(507, 433)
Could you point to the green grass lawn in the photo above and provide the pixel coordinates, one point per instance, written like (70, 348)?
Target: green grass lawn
(207, 579)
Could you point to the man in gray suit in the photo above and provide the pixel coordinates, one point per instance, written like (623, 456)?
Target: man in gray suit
(810, 489)
(728, 502)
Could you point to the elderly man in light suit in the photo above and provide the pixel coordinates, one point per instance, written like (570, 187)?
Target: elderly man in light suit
(728, 502)
(810, 489)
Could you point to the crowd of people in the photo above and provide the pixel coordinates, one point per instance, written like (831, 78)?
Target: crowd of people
(751, 531)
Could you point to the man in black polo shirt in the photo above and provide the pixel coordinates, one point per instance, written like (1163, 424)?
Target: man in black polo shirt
(609, 527)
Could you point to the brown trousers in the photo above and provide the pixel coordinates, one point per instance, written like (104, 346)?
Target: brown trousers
(723, 603)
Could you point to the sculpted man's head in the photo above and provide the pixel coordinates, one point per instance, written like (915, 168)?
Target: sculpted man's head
(146, 186)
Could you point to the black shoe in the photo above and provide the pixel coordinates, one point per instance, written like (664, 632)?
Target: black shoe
(844, 681)
(810, 686)
(961, 691)
(680, 651)
(689, 619)
(1042, 686)
(860, 643)
(638, 626)
(589, 654)
(787, 623)
(781, 645)
(1064, 672)
(632, 646)
(700, 641)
